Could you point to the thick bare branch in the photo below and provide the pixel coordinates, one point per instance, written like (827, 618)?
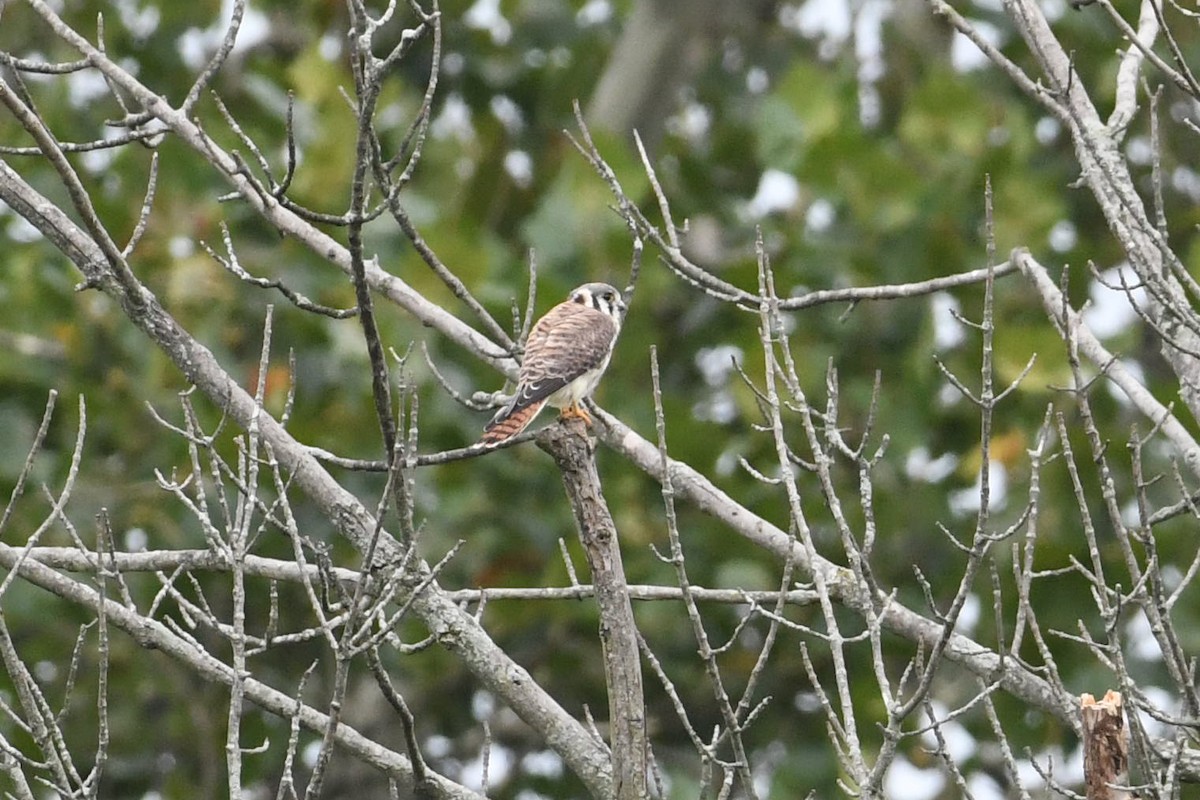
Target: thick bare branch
(153, 634)
(1106, 173)
(1071, 326)
(575, 456)
(450, 625)
(1105, 747)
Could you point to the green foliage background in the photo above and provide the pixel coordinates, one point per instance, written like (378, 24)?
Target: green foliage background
(895, 164)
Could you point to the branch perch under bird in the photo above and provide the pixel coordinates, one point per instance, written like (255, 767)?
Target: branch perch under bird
(575, 455)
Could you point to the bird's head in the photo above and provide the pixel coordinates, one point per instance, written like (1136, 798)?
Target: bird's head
(603, 298)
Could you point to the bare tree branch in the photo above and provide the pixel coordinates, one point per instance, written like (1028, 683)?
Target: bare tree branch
(573, 452)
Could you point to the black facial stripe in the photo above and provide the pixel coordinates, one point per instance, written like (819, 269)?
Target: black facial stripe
(596, 302)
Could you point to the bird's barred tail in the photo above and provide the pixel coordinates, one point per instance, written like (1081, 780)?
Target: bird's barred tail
(506, 427)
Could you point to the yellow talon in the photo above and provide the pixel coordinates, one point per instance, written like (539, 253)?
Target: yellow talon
(576, 411)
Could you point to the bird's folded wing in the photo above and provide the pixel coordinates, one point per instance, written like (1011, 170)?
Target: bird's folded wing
(569, 341)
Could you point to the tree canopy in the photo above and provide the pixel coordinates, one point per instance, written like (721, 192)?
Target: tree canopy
(897, 439)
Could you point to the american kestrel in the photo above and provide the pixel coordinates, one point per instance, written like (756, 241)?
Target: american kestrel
(567, 352)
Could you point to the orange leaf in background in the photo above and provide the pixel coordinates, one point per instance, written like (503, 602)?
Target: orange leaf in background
(275, 390)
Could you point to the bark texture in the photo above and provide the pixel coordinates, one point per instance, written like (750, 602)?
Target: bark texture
(1105, 747)
(575, 454)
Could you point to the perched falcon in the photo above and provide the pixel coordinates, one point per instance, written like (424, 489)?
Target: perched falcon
(567, 352)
